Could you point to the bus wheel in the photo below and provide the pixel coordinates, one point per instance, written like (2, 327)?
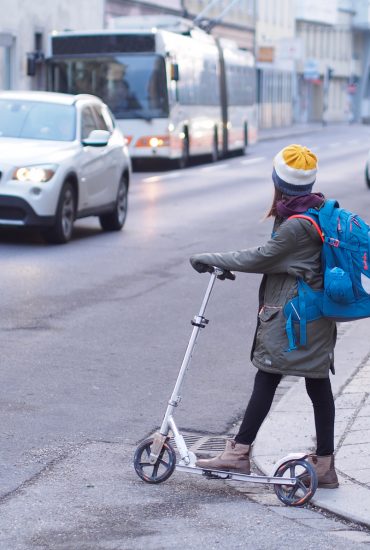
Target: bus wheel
(183, 161)
(245, 147)
(215, 152)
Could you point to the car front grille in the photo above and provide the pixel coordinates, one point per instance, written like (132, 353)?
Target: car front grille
(12, 213)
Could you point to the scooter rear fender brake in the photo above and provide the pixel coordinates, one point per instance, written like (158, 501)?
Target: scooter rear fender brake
(290, 456)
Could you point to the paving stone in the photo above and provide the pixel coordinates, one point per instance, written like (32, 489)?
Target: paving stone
(354, 387)
(322, 523)
(349, 400)
(348, 462)
(361, 423)
(355, 437)
(344, 414)
(350, 451)
(355, 536)
(365, 411)
(269, 500)
(364, 379)
(339, 430)
(362, 475)
(299, 513)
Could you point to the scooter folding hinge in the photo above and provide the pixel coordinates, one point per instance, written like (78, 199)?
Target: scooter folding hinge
(175, 402)
(155, 449)
(199, 321)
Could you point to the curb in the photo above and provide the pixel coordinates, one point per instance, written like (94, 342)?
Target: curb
(290, 428)
(288, 131)
(270, 134)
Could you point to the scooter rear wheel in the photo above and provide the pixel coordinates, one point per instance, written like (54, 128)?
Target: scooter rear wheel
(159, 471)
(302, 492)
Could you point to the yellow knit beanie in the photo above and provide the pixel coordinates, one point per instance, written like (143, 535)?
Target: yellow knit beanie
(295, 169)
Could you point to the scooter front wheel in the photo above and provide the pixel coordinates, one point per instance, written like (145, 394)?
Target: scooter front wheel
(305, 487)
(161, 470)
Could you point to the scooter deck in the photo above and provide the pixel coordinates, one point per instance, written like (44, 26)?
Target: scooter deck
(223, 474)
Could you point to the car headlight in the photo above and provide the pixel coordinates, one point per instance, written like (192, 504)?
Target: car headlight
(38, 173)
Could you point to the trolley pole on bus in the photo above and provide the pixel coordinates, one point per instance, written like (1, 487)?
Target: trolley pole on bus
(208, 24)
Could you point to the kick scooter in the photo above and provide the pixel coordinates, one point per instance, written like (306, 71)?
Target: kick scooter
(293, 478)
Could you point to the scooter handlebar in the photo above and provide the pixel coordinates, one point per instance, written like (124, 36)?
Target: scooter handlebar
(223, 274)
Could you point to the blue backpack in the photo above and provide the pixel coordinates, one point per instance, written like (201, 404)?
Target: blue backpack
(345, 265)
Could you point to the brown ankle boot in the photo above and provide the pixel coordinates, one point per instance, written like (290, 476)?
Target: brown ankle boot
(235, 457)
(326, 474)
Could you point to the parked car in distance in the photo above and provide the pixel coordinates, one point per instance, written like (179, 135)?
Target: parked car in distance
(62, 158)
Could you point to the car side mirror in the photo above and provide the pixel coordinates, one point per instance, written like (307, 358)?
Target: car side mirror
(97, 138)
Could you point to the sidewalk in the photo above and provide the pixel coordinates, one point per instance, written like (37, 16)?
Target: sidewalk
(290, 427)
(265, 134)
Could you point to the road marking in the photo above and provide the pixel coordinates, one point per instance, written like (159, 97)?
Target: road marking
(171, 176)
(253, 161)
(214, 167)
(152, 179)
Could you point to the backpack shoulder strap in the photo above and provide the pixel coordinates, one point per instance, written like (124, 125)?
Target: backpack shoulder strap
(314, 223)
(329, 205)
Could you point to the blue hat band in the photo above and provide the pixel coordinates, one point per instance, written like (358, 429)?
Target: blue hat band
(290, 188)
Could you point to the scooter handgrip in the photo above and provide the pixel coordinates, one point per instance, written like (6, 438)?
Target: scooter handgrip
(227, 275)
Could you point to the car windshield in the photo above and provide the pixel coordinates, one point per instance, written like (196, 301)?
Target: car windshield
(37, 120)
(133, 86)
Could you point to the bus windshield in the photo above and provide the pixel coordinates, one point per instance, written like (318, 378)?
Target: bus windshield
(133, 86)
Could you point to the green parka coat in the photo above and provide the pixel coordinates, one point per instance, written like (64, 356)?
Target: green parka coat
(294, 251)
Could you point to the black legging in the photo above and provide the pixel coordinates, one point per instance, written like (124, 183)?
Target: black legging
(319, 391)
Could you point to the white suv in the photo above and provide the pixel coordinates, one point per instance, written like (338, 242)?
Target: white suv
(62, 158)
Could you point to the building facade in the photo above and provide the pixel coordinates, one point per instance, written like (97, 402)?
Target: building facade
(276, 50)
(120, 8)
(24, 30)
(361, 59)
(327, 65)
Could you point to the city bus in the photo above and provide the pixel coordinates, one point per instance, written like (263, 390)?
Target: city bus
(175, 90)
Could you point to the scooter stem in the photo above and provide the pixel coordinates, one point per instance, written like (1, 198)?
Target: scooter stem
(198, 322)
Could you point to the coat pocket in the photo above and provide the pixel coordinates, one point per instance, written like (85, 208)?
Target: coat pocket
(267, 313)
(270, 336)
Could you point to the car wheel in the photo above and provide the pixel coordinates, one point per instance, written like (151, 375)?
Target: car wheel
(367, 176)
(61, 231)
(115, 220)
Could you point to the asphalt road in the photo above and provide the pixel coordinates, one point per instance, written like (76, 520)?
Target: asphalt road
(93, 333)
